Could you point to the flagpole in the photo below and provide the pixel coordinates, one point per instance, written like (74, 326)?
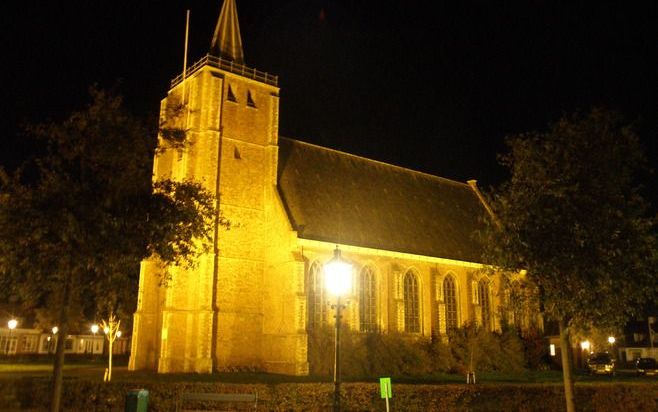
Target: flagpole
(187, 32)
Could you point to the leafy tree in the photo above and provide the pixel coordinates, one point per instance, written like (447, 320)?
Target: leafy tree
(77, 220)
(572, 216)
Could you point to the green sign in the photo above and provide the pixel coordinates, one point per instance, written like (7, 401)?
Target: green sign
(385, 385)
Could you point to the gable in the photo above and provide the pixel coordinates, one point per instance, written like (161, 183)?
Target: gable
(336, 197)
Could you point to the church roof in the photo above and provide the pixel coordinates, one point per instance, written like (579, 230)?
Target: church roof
(226, 41)
(340, 198)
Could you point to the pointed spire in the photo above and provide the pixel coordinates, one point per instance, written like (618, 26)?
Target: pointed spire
(226, 42)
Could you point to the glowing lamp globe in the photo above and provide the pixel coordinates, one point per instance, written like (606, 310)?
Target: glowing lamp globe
(12, 324)
(337, 275)
(106, 330)
(118, 334)
(55, 330)
(585, 345)
(94, 328)
(611, 340)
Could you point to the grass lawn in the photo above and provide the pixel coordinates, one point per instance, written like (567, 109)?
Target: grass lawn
(120, 373)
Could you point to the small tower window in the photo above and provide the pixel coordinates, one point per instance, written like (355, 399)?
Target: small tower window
(250, 100)
(230, 96)
(236, 153)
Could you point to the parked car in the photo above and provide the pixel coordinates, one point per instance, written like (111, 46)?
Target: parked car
(601, 363)
(646, 366)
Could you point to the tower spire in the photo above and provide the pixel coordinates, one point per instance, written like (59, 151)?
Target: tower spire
(226, 42)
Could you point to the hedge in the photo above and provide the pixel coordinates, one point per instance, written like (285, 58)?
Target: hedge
(85, 395)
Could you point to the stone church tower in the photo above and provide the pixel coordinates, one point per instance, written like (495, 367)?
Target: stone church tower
(224, 314)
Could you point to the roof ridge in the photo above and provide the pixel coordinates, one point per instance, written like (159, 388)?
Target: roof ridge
(401, 168)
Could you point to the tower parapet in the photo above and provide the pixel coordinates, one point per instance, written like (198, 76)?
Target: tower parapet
(229, 66)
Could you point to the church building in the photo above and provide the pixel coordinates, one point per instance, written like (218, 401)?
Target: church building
(251, 301)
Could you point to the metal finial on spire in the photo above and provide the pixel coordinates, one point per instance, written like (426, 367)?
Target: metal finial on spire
(226, 41)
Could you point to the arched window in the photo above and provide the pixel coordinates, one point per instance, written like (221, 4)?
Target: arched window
(517, 303)
(317, 308)
(367, 301)
(450, 300)
(411, 304)
(485, 303)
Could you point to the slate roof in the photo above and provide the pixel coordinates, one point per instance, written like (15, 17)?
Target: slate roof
(340, 198)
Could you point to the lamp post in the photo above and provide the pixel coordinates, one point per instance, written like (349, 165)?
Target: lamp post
(611, 341)
(11, 325)
(338, 280)
(650, 320)
(55, 329)
(585, 346)
(111, 330)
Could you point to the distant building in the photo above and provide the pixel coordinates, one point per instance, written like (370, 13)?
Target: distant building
(251, 302)
(36, 342)
(640, 340)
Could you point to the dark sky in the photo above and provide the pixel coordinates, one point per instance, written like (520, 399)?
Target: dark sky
(434, 86)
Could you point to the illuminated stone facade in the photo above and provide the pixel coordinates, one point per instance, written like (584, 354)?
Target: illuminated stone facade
(249, 304)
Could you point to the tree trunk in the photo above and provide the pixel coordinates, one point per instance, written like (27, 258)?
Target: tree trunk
(567, 366)
(58, 367)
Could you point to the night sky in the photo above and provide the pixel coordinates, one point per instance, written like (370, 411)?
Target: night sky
(433, 86)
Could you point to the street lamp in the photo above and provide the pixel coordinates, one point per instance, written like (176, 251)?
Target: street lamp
(111, 330)
(94, 329)
(11, 325)
(338, 280)
(611, 340)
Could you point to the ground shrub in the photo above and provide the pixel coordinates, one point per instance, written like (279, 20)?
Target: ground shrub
(475, 349)
(397, 354)
(85, 395)
(632, 397)
(535, 349)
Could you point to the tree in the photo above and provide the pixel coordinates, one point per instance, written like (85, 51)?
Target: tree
(572, 216)
(77, 220)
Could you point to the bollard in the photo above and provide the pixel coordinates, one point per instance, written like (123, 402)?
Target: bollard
(137, 400)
